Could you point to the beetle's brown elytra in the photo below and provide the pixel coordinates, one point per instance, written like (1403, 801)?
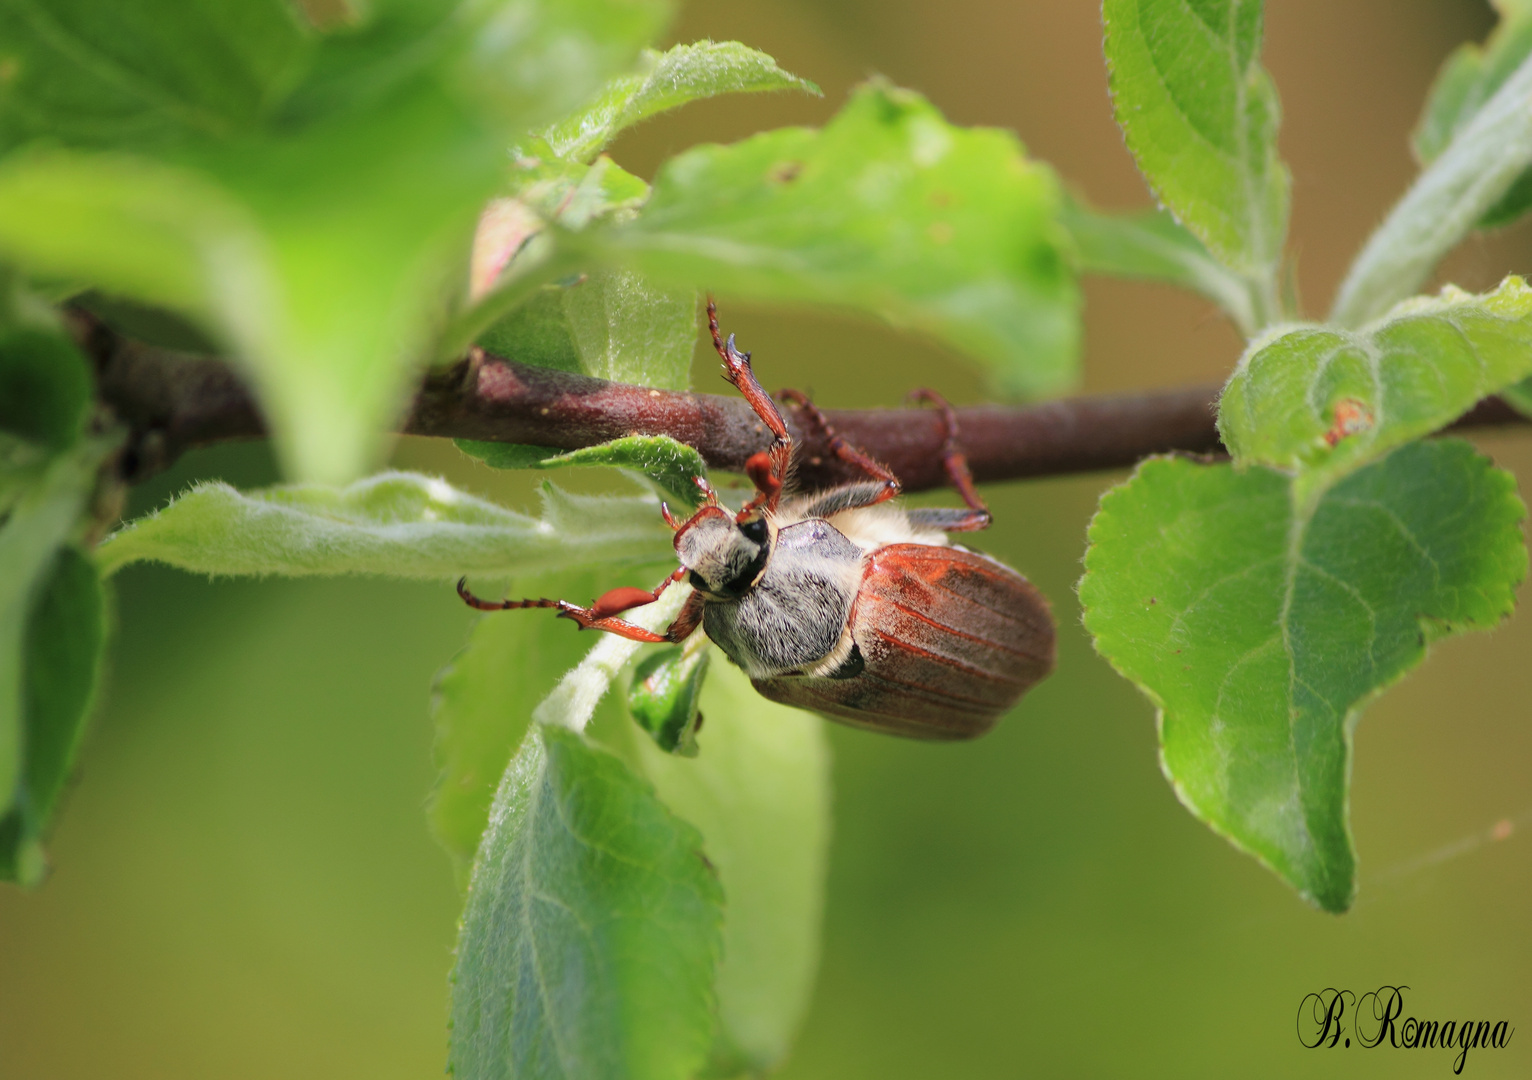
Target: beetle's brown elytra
(840, 601)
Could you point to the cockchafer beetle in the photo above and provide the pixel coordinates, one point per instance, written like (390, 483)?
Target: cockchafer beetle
(839, 601)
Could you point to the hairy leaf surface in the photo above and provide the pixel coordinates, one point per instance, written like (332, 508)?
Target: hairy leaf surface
(671, 466)
(1200, 115)
(1259, 633)
(888, 210)
(759, 789)
(666, 81)
(395, 524)
(1451, 196)
(1467, 80)
(591, 933)
(1326, 401)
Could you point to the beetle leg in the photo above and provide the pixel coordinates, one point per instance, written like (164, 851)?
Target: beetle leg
(851, 496)
(602, 614)
(885, 482)
(687, 621)
(767, 470)
(956, 462)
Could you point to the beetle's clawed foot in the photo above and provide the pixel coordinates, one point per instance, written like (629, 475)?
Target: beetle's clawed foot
(736, 365)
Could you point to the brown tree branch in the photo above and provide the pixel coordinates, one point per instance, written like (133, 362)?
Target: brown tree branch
(173, 402)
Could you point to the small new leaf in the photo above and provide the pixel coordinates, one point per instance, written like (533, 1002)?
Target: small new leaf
(1467, 80)
(1325, 401)
(888, 210)
(1200, 116)
(591, 932)
(394, 524)
(666, 81)
(1259, 634)
(663, 699)
(672, 467)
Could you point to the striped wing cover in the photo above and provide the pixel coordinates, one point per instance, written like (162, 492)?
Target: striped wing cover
(951, 640)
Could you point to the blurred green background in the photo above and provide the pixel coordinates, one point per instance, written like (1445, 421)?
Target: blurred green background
(244, 882)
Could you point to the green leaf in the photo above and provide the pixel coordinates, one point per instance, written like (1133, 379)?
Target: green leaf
(611, 324)
(112, 74)
(1467, 80)
(45, 386)
(482, 702)
(663, 700)
(395, 524)
(666, 81)
(1200, 116)
(1450, 197)
(591, 931)
(318, 221)
(1150, 245)
(1260, 633)
(65, 636)
(671, 466)
(760, 792)
(889, 210)
(321, 260)
(41, 499)
(1519, 396)
(1327, 401)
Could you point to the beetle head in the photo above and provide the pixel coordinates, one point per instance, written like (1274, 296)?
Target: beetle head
(724, 556)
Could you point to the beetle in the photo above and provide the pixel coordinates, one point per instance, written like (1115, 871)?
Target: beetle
(841, 601)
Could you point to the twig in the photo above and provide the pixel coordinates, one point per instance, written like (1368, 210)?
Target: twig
(174, 401)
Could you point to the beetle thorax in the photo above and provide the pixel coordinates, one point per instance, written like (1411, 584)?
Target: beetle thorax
(794, 618)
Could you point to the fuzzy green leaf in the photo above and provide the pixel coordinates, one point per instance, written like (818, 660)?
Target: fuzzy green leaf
(667, 81)
(888, 210)
(1451, 196)
(1150, 245)
(1259, 633)
(65, 636)
(591, 932)
(1200, 116)
(1326, 401)
(1467, 80)
(671, 466)
(759, 790)
(395, 524)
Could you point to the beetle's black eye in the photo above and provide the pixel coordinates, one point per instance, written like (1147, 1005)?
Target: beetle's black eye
(755, 531)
